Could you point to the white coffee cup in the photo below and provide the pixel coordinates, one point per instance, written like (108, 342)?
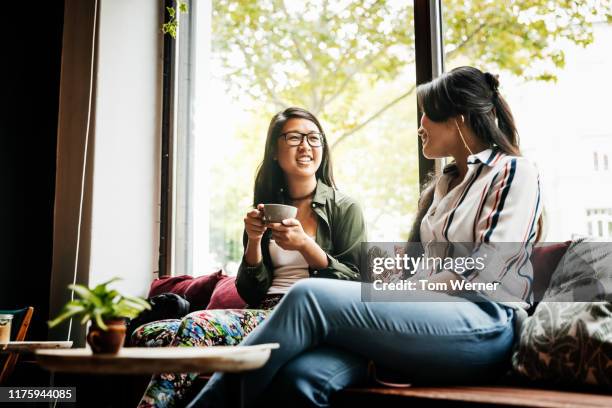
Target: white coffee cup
(278, 212)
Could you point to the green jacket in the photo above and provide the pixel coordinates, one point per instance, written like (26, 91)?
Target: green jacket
(340, 231)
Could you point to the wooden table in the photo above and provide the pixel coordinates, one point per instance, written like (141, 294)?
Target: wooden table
(145, 360)
(31, 346)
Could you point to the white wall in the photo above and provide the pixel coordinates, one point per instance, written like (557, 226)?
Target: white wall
(125, 197)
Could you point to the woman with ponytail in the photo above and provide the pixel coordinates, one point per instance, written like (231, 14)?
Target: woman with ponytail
(487, 196)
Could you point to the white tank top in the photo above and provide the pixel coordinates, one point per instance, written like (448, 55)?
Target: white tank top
(289, 267)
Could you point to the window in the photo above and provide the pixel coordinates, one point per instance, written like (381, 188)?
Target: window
(551, 59)
(597, 219)
(350, 62)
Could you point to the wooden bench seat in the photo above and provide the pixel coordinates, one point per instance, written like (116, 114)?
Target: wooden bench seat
(470, 396)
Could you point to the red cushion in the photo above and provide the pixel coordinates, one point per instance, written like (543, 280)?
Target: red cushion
(197, 291)
(226, 296)
(201, 289)
(170, 284)
(544, 260)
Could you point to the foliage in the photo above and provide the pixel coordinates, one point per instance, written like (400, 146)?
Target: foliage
(352, 64)
(170, 26)
(100, 304)
(315, 53)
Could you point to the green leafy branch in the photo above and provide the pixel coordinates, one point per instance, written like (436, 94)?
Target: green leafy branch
(171, 25)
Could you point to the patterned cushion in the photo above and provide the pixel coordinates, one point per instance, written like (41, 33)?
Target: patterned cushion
(155, 334)
(568, 339)
(567, 342)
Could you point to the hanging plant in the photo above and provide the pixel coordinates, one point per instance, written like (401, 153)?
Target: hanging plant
(170, 26)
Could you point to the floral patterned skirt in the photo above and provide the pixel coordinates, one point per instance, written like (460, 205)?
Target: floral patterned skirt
(198, 329)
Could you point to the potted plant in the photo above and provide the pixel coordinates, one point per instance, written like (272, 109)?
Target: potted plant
(106, 309)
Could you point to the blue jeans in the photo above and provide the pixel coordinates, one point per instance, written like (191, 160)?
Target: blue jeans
(327, 335)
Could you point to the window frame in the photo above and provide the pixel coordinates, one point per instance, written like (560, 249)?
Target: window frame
(429, 64)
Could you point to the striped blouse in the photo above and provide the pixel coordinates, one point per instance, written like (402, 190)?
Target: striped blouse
(496, 210)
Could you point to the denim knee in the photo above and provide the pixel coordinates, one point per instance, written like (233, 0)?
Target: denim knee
(305, 286)
(309, 379)
(308, 289)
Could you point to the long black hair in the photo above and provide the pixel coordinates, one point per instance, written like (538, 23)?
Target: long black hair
(474, 94)
(270, 181)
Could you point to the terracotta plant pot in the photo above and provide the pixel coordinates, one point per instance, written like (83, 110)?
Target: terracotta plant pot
(109, 341)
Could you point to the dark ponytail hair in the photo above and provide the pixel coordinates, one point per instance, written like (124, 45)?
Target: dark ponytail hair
(474, 94)
(270, 182)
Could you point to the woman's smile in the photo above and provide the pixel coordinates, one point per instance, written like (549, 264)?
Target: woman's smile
(304, 160)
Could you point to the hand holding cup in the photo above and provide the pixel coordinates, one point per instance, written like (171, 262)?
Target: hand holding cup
(289, 234)
(254, 224)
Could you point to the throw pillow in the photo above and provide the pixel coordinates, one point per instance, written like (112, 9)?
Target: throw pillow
(170, 284)
(567, 342)
(544, 260)
(197, 291)
(584, 273)
(225, 295)
(569, 336)
(201, 289)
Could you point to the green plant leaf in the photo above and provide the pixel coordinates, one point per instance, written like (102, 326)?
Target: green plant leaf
(75, 304)
(86, 318)
(170, 28)
(99, 320)
(65, 315)
(127, 308)
(86, 294)
(122, 310)
(139, 301)
(101, 288)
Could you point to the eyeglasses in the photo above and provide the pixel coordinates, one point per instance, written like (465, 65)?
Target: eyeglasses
(314, 139)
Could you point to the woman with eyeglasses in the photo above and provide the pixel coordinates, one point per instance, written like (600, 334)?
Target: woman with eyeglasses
(489, 195)
(322, 241)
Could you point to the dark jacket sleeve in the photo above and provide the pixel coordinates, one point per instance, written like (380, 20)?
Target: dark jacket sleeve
(349, 232)
(253, 282)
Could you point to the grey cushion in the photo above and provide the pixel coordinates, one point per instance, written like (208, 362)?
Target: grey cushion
(569, 339)
(584, 274)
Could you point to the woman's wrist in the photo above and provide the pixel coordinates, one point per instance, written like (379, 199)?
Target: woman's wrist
(314, 254)
(306, 243)
(252, 255)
